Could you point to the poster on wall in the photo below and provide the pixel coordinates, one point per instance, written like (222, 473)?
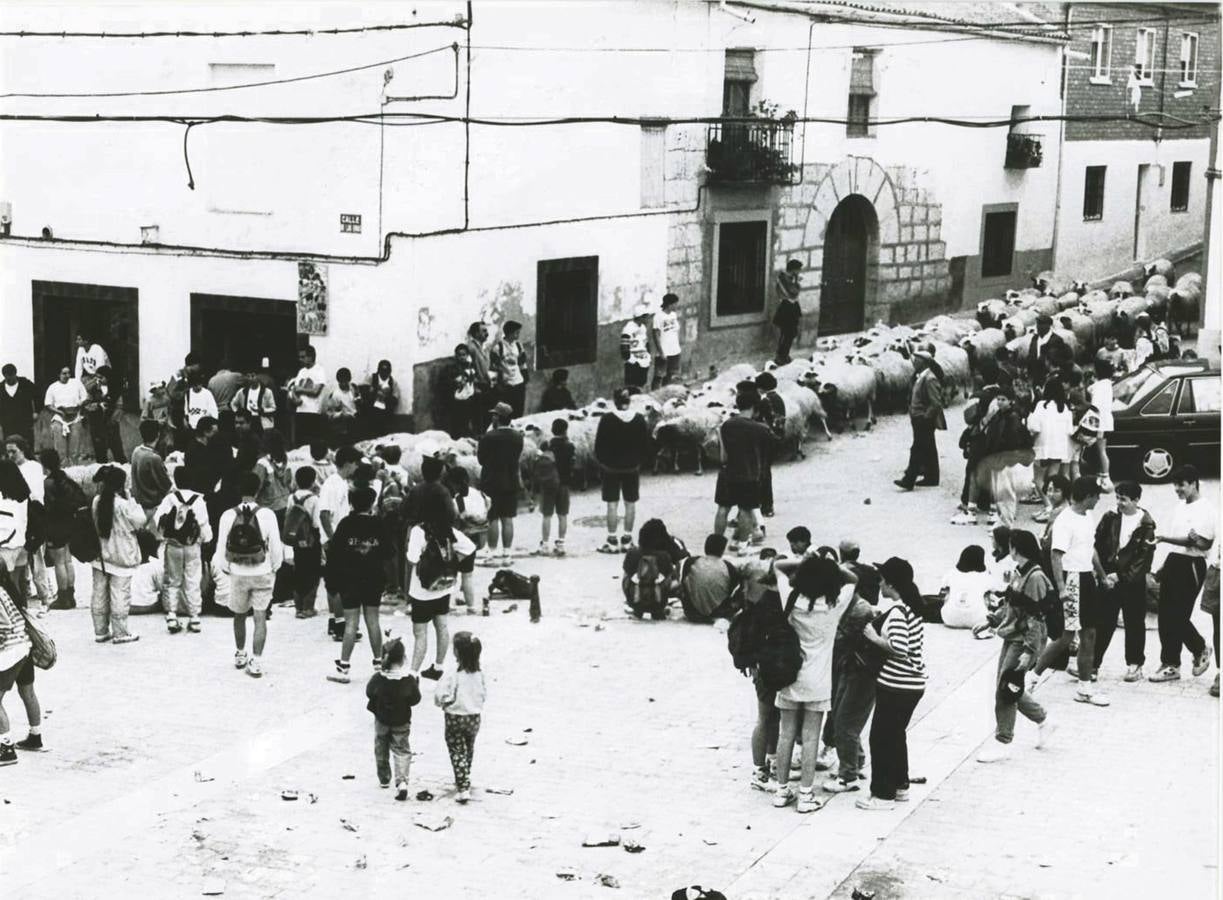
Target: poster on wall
(311, 299)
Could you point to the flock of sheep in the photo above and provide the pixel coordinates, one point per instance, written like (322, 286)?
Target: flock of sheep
(846, 381)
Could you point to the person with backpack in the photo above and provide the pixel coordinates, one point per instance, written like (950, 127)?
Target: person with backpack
(707, 583)
(257, 400)
(392, 691)
(1019, 621)
(63, 498)
(182, 522)
(812, 589)
(358, 558)
(302, 542)
(116, 519)
(440, 557)
(899, 686)
(249, 552)
(14, 519)
(553, 476)
(333, 507)
(16, 668)
(471, 504)
(651, 570)
(275, 486)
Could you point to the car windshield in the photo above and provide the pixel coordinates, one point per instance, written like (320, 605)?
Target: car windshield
(1132, 386)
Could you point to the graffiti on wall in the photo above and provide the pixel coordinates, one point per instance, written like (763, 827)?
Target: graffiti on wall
(311, 299)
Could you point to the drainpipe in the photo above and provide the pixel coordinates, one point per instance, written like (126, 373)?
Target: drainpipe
(1064, 81)
(1209, 312)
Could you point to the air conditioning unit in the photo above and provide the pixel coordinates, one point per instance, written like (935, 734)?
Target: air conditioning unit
(6, 217)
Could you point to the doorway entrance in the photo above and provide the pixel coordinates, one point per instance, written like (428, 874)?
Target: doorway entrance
(850, 243)
(1140, 206)
(107, 315)
(241, 331)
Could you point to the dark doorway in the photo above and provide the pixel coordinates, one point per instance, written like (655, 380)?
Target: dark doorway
(243, 330)
(848, 244)
(108, 315)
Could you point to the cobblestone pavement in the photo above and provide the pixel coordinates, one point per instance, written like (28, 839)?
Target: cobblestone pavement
(167, 765)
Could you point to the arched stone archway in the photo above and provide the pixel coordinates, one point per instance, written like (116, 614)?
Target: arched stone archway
(850, 265)
(854, 175)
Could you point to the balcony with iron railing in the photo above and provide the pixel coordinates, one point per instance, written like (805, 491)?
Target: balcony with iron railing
(1023, 151)
(750, 152)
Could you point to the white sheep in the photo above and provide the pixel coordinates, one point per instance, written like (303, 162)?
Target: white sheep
(688, 431)
(1120, 290)
(1184, 304)
(1162, 268)
(991, 312)
(893, 376)
(807, 410)
(1080, 325)
(956, 371)
(846, 390)
(1068, 300)
(983, 345)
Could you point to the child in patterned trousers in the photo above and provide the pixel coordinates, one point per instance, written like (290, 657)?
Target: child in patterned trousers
(460, 694)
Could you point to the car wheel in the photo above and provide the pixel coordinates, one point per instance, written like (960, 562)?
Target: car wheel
(1158, 463)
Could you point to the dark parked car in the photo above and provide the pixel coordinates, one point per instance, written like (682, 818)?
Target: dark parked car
(1165, 413)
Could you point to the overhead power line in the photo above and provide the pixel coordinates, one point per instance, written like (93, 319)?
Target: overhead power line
(457, 22)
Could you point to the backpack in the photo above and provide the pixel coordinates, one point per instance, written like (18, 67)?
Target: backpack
(83, 541)
(35, 525)
(390, 501)
(438, 567)
(245, 545)
(299, 531)
(186, 533)
(71, 496)
(780, 656)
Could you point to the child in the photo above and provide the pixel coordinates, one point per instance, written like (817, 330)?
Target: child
(301, 533)
(358, 558)
(556, 394)
(392, 693)
(320, 459)
(1021, 626)
(964, 589)
(1101, 396)
(461, 694)
(395, 485)
(555, 474)
(799, 538)
(182, 521)
(471, 504)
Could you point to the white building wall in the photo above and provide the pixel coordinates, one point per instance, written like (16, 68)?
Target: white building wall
(1101, 247)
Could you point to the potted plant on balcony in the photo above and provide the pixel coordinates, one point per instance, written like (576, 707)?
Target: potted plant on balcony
(1023, 151)
(756, 151)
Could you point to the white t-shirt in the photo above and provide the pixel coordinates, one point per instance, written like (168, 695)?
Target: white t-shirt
(1101, 396)
(965, 604)
(1074, 534)
(199, 404)
(31, 471)
(11, 389)
(463, 547)
(88, 361)
(638, 343)
(333, 498)
(1197, 515)
(667, 326)
(1055, 428)
(63, 395)
(1129, 524)
(343, 403)
(313, 376)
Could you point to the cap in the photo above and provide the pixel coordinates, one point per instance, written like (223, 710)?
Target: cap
(895, 571)
(503, 410)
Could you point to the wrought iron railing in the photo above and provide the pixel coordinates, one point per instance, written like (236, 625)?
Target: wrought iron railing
(750, 152)
(1023, 151)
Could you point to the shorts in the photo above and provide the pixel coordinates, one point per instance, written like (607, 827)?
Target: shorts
(502, 504)
(363, 597)
(249, 592)
(14, 557)
(21, 675)
(1079, 605)
(425, 611)
(814, 706)
(617, 485)
(743, 494)
(635, 376)
(554, 499)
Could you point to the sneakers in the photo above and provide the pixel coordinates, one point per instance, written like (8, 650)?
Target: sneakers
(129, 638)
(992, 519)
(8, 755)
(1201, 663)
(838, 786)
(826, 760)
(433, 673)
(401, 794)
(101, 638)
(783, 796)
(32, 742)
(240, 659)
(1044, 731)
(488, 560)
(193, 625)
(808, 802)
(1095, 698)
(559, 548)
(541, 550)
(761, 780)
(1132, 674)
(254, 668)
(902, 795)
(610, 545)
(964, 518)
(1034, 681)
(464, 795)
(1166, 673)
(341, 674)
(1072, 668)
(995, 752)
(626, 543)
(172, 625)
(875, 804)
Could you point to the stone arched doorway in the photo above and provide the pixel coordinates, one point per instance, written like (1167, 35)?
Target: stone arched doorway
(850, 260)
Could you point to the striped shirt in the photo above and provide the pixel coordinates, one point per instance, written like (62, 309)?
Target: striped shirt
(903, 630)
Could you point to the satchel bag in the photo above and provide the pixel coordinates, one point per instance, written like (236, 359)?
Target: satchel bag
(42, 648)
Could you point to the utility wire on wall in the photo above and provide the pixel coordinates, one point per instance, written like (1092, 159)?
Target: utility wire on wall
(457, 22)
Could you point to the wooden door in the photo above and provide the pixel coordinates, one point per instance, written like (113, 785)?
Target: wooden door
(843, 285)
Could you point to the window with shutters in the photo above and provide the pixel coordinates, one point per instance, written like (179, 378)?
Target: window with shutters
(653, 166)
(567, 297)
(1189, 60)
(740, 267)
(1093, 193)
(1144, 56)
(998, 240)
(1180, 186)
(861, 94)
(1102, 54)
(738, 82)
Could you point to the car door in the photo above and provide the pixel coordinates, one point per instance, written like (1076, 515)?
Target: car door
(1197, 413)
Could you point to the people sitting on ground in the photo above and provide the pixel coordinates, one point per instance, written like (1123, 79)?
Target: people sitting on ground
(964, 589)
(651, 570)
(799, 539)
(707, 583)
(556, 395)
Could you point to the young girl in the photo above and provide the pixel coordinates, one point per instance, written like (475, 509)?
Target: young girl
(461, 694)
(1021, 626)
(1101, 396)
(392, 693)
(1052, 422)
(811, 600)
(117, 518)
(965, 588)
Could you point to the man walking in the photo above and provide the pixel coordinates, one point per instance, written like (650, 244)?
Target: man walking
(1191, 534)
(499, 454)
(249, 552)
(925, 417)
(635, 349)
(18, 405)
(1125, 540)
(665, 332)
(621, 443)
(746, 445)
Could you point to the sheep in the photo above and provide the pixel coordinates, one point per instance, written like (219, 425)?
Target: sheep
(1184, 304)
(1093, 296)
(845, 389)
(1022, 298)
(949, 330)
(1018, 323)
(1120, 290)
(1158, 297)
(1080, 325)
(1103, 316)
(807, 409)
(688, 431)
(893, 377)
(794, 371)
(1047, 306)
(733, 375)
(983, 345)
(1052, 285)
(1162, 268)
(956, 371)
(1155, 281)
(1068, 301)
(669, 392)
(990, 313)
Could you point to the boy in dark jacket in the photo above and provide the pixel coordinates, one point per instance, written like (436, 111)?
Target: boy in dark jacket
(392, 692)
(1125, 540)
(622, 441)
(357, 560)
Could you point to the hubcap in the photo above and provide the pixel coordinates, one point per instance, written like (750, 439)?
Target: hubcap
(1157, 463)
